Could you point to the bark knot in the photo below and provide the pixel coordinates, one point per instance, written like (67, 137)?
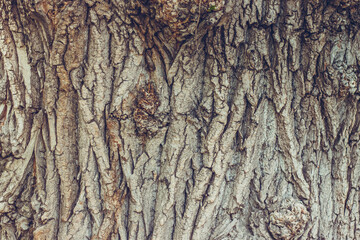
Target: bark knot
(182, 16)
(289, 221)
(144, 113)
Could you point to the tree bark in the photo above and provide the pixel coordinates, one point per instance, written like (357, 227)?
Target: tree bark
(179, 119)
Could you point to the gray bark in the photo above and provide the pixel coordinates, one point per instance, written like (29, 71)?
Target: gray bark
(179, 119)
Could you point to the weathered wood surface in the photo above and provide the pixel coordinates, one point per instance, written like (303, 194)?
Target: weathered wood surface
(179, 119)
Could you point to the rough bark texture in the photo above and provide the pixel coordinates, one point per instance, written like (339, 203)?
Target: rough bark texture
(179, 119)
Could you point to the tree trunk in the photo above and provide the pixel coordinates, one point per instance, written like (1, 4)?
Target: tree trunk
(179, 119)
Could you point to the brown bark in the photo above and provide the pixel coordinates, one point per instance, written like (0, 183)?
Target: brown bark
(179, 119)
